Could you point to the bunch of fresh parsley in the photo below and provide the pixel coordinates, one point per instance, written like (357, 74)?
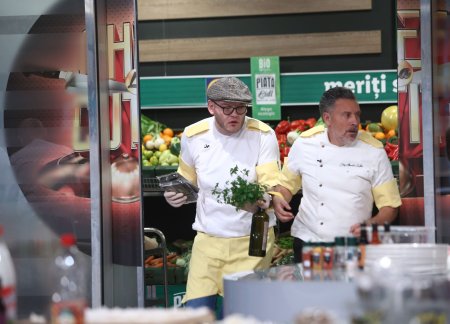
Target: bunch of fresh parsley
(239, 192)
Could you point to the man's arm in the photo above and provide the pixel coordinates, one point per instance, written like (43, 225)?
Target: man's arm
(281, 204)
(385, 214)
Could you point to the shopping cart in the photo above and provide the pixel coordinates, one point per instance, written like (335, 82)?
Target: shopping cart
(160, 250)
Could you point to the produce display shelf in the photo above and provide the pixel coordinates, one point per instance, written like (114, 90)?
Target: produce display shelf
(149, 173)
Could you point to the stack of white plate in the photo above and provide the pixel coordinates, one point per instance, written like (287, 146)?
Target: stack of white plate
(416, 258)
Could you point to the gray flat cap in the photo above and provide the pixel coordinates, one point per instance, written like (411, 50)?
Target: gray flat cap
(228, 89)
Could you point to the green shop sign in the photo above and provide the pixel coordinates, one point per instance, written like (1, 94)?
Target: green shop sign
(296, 89)
(266, 87)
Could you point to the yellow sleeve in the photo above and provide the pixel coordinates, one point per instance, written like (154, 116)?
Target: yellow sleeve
(290, 180)
(187, 171)
(387, 194)
(268, 174)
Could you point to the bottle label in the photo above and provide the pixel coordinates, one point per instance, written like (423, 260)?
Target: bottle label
(266, 233)
(361, 256)
(306, 263)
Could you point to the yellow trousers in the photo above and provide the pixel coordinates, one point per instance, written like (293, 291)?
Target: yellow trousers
(213, 257)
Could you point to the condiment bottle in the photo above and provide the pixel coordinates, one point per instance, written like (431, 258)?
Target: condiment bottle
(328, 256)
(362, 246)
(351, 261)
(375, 237)
(387, 235)
(317, 256)
(307, 255)
(339, 252)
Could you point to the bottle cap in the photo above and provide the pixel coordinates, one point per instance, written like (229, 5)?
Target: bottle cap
(339, 240)
(67, 239)
(352, 241)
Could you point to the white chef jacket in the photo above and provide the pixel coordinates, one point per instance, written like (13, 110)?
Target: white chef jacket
(340, 183)
(206, 158)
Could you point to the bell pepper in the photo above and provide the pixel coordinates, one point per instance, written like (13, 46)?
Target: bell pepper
(310, 122)
(283, 127)
(175, 146)
(298, 124)
(391, 151)
(284, 151)
(282, 138)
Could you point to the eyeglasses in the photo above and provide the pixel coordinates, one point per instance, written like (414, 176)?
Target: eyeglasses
(240, 110)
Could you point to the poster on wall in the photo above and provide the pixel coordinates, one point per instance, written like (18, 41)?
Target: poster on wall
(265, 87)
(410, 112)
(125, 135)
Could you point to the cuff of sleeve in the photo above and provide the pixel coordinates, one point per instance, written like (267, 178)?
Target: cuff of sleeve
(276, 193)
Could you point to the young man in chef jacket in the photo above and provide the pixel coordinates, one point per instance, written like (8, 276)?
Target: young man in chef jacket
(209, 149)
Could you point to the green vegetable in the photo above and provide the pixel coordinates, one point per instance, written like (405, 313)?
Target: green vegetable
(149, 126)
(320, 122)
(393, 140)
(175, 146)
(287, 259)
(167, 158)
(286, 242)
(187, 258)
(153, 160)
(180, 262)
(239, 191)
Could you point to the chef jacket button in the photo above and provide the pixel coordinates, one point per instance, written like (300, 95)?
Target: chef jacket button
(321, 223)
(321, 204)
(323, 145)
(320, 185)
(321, 165)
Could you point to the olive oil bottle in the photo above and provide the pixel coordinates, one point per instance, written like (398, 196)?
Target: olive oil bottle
(258, 234)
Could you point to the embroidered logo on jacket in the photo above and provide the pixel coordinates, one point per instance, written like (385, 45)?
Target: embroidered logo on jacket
(355, 165)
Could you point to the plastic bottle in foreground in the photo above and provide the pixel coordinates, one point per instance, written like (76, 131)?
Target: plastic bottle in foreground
(68, 300)
(2, 307)
(258, 234)
(8, 278)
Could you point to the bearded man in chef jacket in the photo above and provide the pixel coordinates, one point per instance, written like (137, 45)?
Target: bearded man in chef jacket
(342, 171)
(209, 149)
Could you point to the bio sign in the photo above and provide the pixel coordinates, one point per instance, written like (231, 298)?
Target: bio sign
(265, 87)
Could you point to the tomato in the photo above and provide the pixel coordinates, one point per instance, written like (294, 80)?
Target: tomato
(168, 131)
(146, 138)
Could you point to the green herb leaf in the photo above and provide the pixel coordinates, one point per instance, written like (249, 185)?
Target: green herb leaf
(239, 191)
